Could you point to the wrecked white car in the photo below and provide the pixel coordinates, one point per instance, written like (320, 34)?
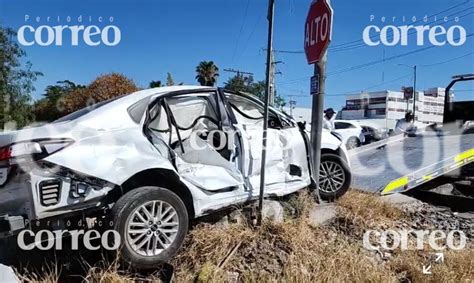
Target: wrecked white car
(152, 160)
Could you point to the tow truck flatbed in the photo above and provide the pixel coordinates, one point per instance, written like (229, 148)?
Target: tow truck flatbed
(402, 163)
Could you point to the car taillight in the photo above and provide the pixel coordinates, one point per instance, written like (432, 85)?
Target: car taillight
(33, 150)
(5, 153)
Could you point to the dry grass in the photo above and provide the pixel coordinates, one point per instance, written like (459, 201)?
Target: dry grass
(293, 251)
(296, 251)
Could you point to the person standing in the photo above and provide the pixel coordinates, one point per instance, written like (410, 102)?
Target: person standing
(405, 125)
(329, 118)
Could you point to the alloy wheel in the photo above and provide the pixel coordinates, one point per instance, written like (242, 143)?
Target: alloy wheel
(331, 177)
(152, 228)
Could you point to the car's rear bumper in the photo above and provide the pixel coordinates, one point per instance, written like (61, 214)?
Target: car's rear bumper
(41, 195)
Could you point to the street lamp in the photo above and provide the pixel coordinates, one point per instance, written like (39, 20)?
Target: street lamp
(414, 86)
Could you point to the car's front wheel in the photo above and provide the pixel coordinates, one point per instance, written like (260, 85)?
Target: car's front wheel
(152, 223)
(334, 177)
(352, 142)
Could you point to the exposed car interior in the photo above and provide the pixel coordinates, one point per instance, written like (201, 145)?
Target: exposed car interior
(190, 124)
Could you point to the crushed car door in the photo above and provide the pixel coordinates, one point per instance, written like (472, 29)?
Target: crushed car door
(249, 121)
(287, 160)
(190, 125)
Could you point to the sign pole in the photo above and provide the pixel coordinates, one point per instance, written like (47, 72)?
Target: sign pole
(318, 31)
(317, 120)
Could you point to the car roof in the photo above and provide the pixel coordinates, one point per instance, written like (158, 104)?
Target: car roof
(158, 91)
(355, 123)
(114, 114)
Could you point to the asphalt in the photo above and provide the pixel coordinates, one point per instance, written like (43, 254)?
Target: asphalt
(375, 165)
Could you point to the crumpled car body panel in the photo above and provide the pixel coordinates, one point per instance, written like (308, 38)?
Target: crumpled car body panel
(110, 147)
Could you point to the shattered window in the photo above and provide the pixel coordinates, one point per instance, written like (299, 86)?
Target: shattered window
(159, 120)
(190, 111)
(245, 110)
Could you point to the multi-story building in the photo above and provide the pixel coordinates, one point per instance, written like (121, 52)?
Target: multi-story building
(386, 107)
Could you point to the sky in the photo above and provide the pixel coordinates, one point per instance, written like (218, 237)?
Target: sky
(160, 36)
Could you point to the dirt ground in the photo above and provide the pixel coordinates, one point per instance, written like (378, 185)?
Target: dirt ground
(294, 250)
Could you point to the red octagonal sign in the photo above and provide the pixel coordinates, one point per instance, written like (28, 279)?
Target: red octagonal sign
(318, 30)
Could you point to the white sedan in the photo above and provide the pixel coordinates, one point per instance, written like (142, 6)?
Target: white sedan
(351, 133)
(152, 160)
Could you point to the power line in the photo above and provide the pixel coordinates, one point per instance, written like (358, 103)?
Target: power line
(447, 61)
(360, 42)
(344, 93)
(443, 11)
(238, 72)
(241, 29)
(357, 67)
(251, 34)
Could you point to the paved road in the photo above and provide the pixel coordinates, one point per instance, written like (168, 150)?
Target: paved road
(373, 167)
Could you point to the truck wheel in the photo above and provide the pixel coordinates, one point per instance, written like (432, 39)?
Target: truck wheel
(334, 177)
(152, 223)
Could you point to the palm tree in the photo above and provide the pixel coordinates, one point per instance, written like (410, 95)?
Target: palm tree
(207, 73)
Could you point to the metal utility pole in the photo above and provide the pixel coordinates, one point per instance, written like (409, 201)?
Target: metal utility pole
(414, 93)
(271, 10)
(414, 88)
(317, 119)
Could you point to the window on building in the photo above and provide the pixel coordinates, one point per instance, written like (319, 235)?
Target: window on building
(380, 111)
(377, 100)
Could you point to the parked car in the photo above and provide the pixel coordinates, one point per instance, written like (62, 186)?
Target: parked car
(152, 160)
(373, 134)
(351, 133)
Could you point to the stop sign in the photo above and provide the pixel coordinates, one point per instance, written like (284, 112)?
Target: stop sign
(318, 30)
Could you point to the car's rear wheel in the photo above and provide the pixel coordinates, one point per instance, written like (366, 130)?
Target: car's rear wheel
(152, 223)
(334, 177)
(352, 142)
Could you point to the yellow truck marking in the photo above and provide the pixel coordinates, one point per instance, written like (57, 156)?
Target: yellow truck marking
(469, 155)
(395, 184)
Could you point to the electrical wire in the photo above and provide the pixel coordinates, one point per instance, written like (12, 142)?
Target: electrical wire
(447, 61)
(368, 64)
(436, 14)
(241, 29)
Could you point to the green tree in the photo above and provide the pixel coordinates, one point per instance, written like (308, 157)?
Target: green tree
(240, 83)
(16, 82)
(51, 106)
(154, 84)
(169, 80)
(207, 73)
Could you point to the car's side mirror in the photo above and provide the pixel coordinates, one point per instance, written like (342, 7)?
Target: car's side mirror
(302, 125)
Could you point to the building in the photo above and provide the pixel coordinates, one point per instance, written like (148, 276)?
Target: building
(386, 107)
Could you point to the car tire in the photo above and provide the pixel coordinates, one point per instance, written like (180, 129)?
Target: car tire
(132, 222)
(352, 143)
(334, 177)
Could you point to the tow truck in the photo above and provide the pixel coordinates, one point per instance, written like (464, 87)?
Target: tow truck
(420, 165)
